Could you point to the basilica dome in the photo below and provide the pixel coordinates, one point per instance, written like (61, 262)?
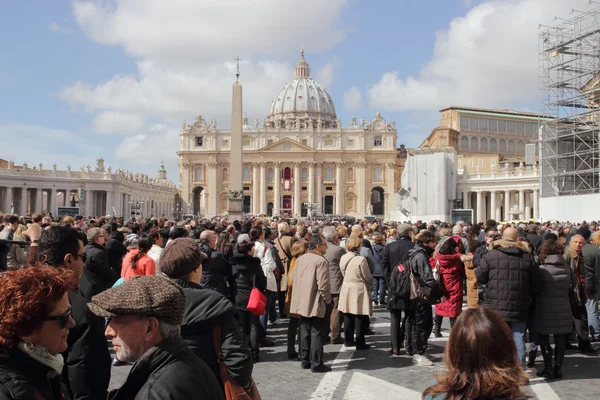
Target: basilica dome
(301, 102)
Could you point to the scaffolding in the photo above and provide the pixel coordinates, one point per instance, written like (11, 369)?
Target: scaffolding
(569, 73)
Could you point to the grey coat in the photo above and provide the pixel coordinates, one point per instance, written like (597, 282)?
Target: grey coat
(333, 255)
(552, 314)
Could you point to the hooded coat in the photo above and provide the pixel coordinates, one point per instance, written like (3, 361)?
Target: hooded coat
(507, 271)
(248, 274)
(452, 272)
(216, 271)
(356, 288)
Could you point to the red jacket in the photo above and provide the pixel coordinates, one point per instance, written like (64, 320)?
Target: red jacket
(452, 272)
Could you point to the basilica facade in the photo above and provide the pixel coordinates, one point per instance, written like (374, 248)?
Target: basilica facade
(301, 160)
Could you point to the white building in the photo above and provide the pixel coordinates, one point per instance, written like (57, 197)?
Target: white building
(98, 191)
(300, 155)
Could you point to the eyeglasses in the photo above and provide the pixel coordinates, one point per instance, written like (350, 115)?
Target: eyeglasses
(82, 256)
(62, 319)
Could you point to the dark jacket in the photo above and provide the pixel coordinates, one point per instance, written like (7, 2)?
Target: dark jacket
(97, 276)
(216, 271)
(248, 273)
(87, 360)
(333, 255)
(22, 376)
(205, 309)
(589, 266)
(169, 370)
(479, 253)
(552, 312)
(395, 253)
(116, 251)
(507, 272)
(535, 240)
(419, 261)
(377, 255)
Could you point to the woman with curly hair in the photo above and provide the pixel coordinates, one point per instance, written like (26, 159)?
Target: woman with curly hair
(481, 360)
(35, 318)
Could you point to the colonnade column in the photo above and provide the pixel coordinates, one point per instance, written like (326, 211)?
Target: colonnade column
(276, 188)
(8, 200)
(311, 182)
(506, 205)
(38, 202)
(297, 201)
(521, 203)
(23, 209)
(52, 201)
(339, 196)
(479, 207)
(320, 186)
(263, 188)
(528, 206)
(492, 213)
(466, 200)
(255, 189)
(535, 204)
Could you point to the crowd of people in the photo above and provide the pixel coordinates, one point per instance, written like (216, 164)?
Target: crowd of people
(173, 298)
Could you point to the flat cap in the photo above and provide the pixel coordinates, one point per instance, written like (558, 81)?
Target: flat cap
(151, 296)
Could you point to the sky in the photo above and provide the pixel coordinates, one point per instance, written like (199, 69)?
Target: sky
(113, 79)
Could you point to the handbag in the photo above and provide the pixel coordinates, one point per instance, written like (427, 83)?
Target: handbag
(419, 291)
(233, 391)
(257, 302)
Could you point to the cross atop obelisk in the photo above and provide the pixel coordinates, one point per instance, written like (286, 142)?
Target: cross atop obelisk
(237, 74)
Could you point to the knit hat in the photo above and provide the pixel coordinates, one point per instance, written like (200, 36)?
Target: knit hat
(404, 229)
(585, 232)
(149, 295)
(181, 257)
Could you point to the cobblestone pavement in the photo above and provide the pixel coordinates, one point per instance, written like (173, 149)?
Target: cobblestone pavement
(375, 374)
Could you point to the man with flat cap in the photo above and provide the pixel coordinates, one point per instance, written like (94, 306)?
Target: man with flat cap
(145, 313)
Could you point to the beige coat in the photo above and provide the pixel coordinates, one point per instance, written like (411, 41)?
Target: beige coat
(356, 288)
(312, 291)
(472, 289)
(283, 244)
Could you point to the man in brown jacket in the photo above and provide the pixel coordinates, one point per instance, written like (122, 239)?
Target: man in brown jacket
(333, 255)
(311, 296)
(283, 244)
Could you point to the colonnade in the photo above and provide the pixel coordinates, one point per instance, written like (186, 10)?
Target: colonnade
(502, 205)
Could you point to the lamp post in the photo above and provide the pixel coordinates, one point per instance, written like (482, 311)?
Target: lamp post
(136, 205)
(310, 207)
(177, 210)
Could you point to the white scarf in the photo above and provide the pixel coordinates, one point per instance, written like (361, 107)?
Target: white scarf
(42, 355)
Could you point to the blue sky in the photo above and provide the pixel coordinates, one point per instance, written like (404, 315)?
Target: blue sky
(114, 78)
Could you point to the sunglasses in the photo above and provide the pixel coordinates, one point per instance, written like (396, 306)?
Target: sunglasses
(82, 256)
(62, 319)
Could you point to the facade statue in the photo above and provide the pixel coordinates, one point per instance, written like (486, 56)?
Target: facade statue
(264, 123)
(68, 167)
(362, 123)
(83, 168)
(183, 125)
(11, 164)
(338, 124)
(256, 124)
(88, 168)
(369, 209)
(54, 167)
(478, 169)
(493, 168)
(214, 124)
(319, 123)
(353, 120)
(99, 165)
(309, 123)
(297, 123)
(109, 169)
(41, 166)
(25, 165)
(393, 124)
(506, 166)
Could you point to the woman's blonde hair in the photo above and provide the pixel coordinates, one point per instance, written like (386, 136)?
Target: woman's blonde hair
(596, 238)
(353, 243)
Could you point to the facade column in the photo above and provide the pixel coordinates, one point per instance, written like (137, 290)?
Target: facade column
(255, 186)
(213, 195)
(506, 205)
(52, 201)
(466, 200)
(521, 203)
(339, 184)
(23, 209)
(311, 182)
(535, 204)
(479, 207)
(276, 188)
(528, 205)
(8, 200)
(263, 188)
(492, 213)
(361, 188)
(319, 198)
(297, 201)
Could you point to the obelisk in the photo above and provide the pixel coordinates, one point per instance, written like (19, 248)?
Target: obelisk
(236, 193)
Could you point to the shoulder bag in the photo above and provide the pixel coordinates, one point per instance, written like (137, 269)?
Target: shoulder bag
(419, 291)
(257, 302)
(233, 391)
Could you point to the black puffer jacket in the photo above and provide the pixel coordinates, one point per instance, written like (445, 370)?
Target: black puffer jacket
(419, 261)
(205, 309)
(507, 272)
(216, 271)
(248, 274)
(395, 253)
(169, 370)
(116, 251)
(97, 276)
(22, 376)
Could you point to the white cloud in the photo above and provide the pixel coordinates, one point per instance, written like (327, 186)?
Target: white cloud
(117, 122)
(353, 99)
(325, 74)
(487, 58)
(54, 27)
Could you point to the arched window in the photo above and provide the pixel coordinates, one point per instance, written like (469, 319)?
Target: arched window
(199, 177)
(474, 143)
(483, 144)
(502, 145)
(304, 174)
(520, 146)
(329, 173)
(225, 174)
(511, 146)
(287, 173)
(246, 174)
(493, 144)
(350, 174)
(464, 142)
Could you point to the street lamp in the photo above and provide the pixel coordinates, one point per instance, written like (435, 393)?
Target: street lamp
(177, 210)
(311, 207)
(136, 205)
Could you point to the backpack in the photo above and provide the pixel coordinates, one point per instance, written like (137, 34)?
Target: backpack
(400, 281)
